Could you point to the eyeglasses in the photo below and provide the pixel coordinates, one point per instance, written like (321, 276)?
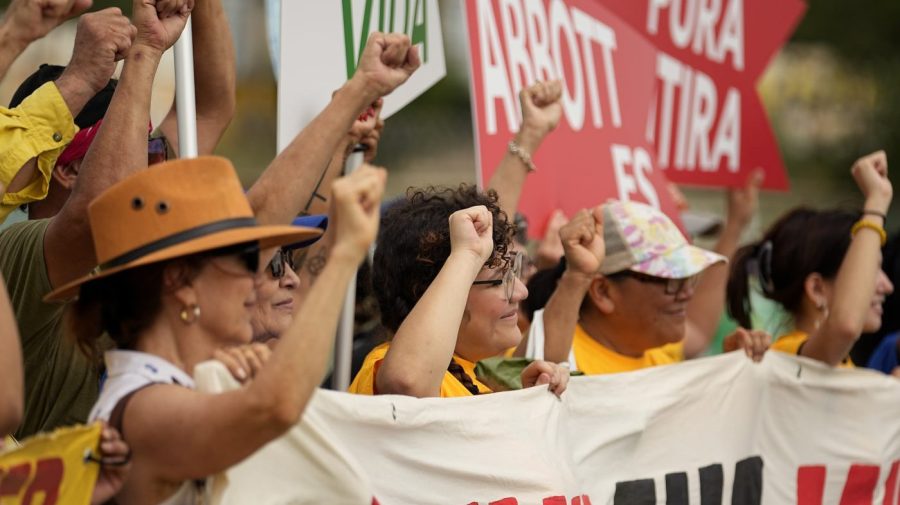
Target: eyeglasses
(277, 265)
(672, 286)
(509, 277)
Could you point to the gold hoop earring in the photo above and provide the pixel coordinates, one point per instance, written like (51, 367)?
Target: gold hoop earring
(190, 313)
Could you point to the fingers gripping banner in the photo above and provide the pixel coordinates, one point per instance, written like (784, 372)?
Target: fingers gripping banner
(716, 430)
(50, 469)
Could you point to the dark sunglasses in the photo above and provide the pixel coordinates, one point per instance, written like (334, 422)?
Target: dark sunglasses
(277, 265)
(247, 253)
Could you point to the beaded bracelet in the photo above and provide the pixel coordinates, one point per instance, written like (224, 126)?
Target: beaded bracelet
(516, 150)
(865, 223)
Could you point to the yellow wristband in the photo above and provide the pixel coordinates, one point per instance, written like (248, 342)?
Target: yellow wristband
(865, 223)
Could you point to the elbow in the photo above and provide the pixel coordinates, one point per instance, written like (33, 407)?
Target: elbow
(278, 411)
(403, 384)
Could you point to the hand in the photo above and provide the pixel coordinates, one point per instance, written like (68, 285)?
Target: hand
(386, 62)
(540, 372)
(582, 240)
(355, 211)
(541, 112)
(160, 22)
(472, 231)
(371, 140)
(115, 463)
(244, 361)
(366, 121)
(871, 175)
(102, 39)
(550, 249)
(743, 202)
(678, 198)
(29, 20)
(753, 342)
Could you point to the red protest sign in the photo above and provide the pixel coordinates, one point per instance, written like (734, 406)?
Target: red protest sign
(709, 125)
(599, 150)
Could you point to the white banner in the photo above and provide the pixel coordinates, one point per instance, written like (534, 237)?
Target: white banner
(320, 46)
(711, 431)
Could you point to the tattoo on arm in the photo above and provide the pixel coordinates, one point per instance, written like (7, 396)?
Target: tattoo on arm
(315, 192)
(317, 263)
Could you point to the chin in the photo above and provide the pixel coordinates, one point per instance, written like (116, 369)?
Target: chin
(872, 324)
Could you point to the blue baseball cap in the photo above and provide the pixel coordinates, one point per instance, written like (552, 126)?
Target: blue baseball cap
(315, 221)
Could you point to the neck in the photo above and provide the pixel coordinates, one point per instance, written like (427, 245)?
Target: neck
(176, 342)
(604, 332)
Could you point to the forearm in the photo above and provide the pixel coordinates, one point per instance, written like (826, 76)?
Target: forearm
(423, 345)
(10, 47)
(509, 177)
(291, 179)
(214, 76)
(854, 288)
(119, 150)
(705, 309)
(300, 358)
(561, 315)
(12, 384)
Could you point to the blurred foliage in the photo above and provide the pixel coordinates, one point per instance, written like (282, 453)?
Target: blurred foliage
(864, 36)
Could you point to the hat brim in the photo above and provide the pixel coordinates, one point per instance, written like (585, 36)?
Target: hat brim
(684, 261)
(267, 236)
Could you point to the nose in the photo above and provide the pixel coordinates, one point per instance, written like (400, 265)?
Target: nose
(520, 291)
(884, 283)
(686, 292)
(290, 279)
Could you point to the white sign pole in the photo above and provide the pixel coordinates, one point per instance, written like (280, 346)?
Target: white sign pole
(343, 344)
(185, 100)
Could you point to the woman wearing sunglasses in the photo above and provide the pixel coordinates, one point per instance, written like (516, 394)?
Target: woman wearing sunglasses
(176, 282)
(449, 289)
(277, 286)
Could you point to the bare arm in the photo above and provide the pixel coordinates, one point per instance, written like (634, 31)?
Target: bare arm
(708, 303)
(192, 446)
(120, 147)
(423, 345)
(215, 78)
(278, 196)
(582, 239)
(12, 386)
(855, 284)
(541, 112)
(28, 20)
(100, 36)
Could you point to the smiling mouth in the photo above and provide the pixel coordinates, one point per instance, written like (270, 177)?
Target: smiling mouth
(285, 304)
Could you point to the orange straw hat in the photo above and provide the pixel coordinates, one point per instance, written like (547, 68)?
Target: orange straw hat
(171, 210)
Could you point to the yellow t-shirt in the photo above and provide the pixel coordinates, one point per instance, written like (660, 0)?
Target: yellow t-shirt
(364, 382)
(41, 126)
(593, 358)
(792, 342)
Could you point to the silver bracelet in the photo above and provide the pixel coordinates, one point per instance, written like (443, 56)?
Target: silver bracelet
(517, 151)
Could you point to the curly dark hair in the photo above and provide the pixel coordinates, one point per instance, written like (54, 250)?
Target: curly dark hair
(414, 243)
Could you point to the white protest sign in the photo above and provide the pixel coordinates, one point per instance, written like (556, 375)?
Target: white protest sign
(716, 430)
(321, 42)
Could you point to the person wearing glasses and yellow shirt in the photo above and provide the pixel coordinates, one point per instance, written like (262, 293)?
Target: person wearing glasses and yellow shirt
(449, 287)
(626, 310)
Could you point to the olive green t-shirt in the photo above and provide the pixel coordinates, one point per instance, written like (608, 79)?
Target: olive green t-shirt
(60, 384)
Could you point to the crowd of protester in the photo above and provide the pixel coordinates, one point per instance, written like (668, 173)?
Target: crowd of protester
(104, 318)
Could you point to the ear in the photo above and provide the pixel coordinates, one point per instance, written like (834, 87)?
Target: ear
(601, 294)
(817, 290)
(178, 282)
(65, 175)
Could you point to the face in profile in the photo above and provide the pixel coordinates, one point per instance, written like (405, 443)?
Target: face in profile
(276, 288)
(490, 322)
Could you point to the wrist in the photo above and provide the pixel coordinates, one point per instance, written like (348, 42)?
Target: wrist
(359, 89)
(877, 204)
(346, 255)
(10, 40)
(529, 139)
(576, 278)
(468, 260)
(144, 49)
